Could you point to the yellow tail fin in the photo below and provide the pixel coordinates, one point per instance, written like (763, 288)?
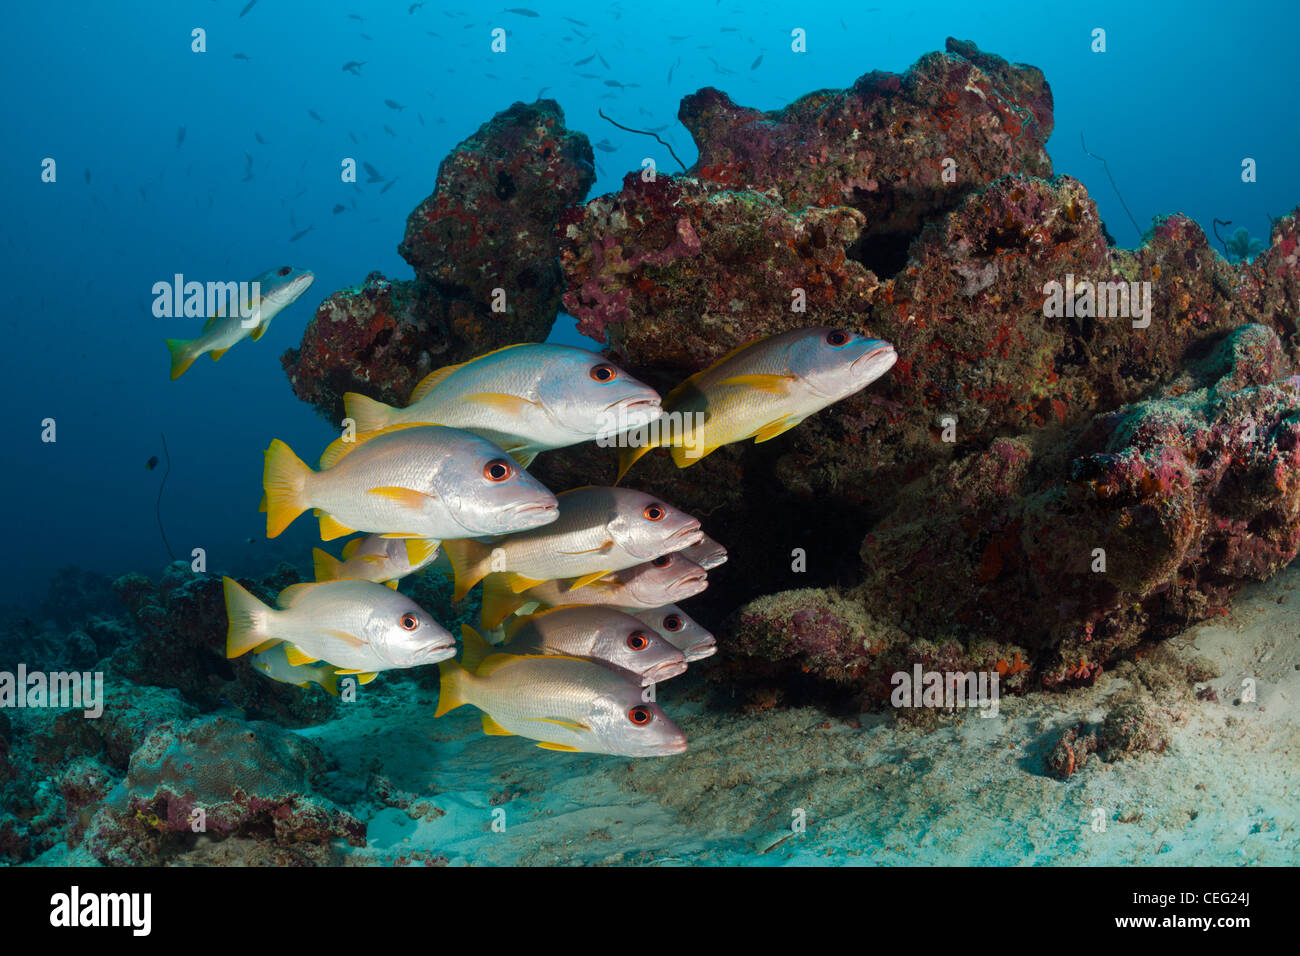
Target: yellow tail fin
(247, 616)
(326, 565)
(474, 648)
(451, 692)
(499, 601)
(629, 456)
(470, 560)
(182, 356)
(283, 476)
(369, 414)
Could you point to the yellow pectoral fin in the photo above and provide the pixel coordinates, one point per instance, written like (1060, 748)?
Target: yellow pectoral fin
(547, 745)
(406, 497)
(367, 677)
(350, 639)
(391, 584)
(519, 584)
(297, 657)
(525, 458)
(501, 402)
(766, 383)
(493, 729)
(567, 724)
(586, 579)
(772, 429)
(420, 550)
(260, 330)
(217, 353)
(331, 528)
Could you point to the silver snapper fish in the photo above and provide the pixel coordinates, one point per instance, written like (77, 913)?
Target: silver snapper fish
(708, 554)
(526, 398)
(358, 626)
(760, 390)
(599, 530)
(664, 580)
(274, 663)
(564, 703)
(680, 630)
(280, 288)
(376, 558)
(598, 633)
(422, 481)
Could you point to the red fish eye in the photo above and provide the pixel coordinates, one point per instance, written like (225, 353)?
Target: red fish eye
(662, 561)
(654, 513)
(638, 641)
(284, 271)
(604, 373)
(673, 623)
(496, 470)
(410, 622)
(837, 338)
(640, 716)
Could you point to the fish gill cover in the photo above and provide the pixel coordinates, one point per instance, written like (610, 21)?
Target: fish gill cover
(837, 355)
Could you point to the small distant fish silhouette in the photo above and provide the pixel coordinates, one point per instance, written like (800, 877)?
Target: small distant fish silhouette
(394, 105)
(602, 60)
(413, 7)
(606, 146)
(353, 67)
(353, 137)
(390, 185)
(542, 91)
(375, 175)
(251, 4)
(389, 131)
(754, 65)
(314, 115)
(180, 137)
(258, 136)
(151, 464)
(298, 235)
(357, 17)
(578, 22)
(241, 56)
(621, 86)
(88, 177)
(340, 208)
(673, 67)
(523, 11)
(365, 36)
(585, 60)
(590, 76)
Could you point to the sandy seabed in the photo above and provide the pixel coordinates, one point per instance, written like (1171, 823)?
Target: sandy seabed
(872, 790)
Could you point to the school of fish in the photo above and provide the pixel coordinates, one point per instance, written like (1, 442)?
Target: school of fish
(579, 608)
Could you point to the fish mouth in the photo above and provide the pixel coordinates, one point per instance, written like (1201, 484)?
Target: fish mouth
(685, 537)
(700, 650)
(672, 747)
(545, 512)
(874, 362)
(689, 586)
(436, 652)
(662, 671)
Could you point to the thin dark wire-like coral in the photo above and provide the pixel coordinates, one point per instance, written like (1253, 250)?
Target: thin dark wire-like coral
(158, 507)
(644, 132)
(1215, 226)
(1112, 183)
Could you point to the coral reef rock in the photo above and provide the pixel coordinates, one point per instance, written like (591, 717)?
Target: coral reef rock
(483, 247)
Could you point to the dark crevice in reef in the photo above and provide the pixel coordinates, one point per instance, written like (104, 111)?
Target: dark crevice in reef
(885, 254)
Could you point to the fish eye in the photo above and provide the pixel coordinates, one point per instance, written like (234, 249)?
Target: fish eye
(662, 561)
(638, 641)
(284, 271)
(640, 716)
(654, 512)
(837, 338)
(410, 622)
(496, 470)
(604, 373)
(673, 623)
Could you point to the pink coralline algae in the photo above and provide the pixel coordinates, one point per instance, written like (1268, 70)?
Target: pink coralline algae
(219, 777)
(483, 248)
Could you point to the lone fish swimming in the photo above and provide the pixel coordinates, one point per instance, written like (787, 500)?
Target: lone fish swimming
(279, 289)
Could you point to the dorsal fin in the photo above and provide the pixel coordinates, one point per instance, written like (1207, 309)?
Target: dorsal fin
(294, 592)
(339, 449)
(430, 381)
